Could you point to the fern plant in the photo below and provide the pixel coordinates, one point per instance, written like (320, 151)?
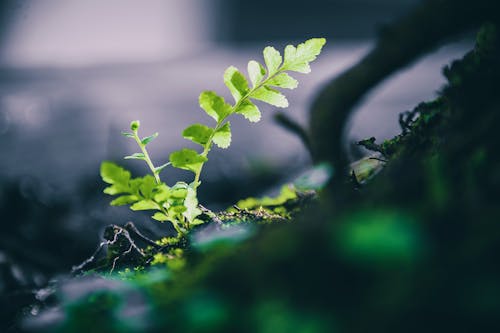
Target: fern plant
(179, 204)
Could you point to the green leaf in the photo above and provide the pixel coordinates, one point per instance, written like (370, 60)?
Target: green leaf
(249, 110)
(298, 59)
(222, 137)
(179, 190)
(128, 135)
(198, 133)
(147, 186)
(161, 167)
(135, 156)
(273, 59)
(236, 82)
(115, 175)
(176, 210)
(161, 193)
(283, 80)
(271, 96)
(160, 217)
(187, 159)
(148, 139)
(145, 205)
(214, 105)
(256, 72)
(191, 204)
(124, 200)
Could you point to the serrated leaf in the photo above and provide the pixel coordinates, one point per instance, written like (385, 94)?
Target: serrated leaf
(214, 105)
(124, 200)
(273, 59)
(236, 82)
(161, 167)
(256, 72)
(128, 135)
(298, 58)
(187, 159)
(115, 175)
(270, 96)
(160, 217)
(135, 156)
(148, 139)
(191, 204)
(145, 205)
(283, 80)
(198, 133)
(222, 138)
(249, 110)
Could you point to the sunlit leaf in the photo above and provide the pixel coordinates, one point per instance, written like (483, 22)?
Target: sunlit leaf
(222, 137)
(187, 159)
(236, 82)
(214, 105)
(198, 133)
(270, 96)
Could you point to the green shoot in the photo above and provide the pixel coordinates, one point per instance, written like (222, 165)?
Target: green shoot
(179, 204)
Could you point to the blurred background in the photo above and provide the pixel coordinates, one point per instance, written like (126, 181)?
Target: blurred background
(73, 74)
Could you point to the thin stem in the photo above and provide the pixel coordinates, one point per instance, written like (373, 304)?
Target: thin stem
(147, 159)
(221, 123)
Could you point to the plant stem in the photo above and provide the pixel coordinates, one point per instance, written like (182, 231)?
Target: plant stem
(147, 159)
(221, 123)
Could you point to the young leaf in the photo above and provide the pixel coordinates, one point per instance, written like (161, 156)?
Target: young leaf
(148, 139)
(198, 133)
(161, 167)
(145, 205)
(271, 96)
(298, 59)
(117, 176)
(135, 156)
(222, 137)
(161, 193)
(249, 110)
(159, 217)
(236, 82)
(124, 200)
(283, 80)
(179, 190)
(273, 59)
(256, 72)
(191, 204)
(128, 135)
(147, 186)
(187, 159)
(214, 105)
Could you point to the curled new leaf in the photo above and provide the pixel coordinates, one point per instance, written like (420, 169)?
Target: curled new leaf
(135, 156)
(222, 137)
(187, 159)
(148, 139)
(198, 133)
